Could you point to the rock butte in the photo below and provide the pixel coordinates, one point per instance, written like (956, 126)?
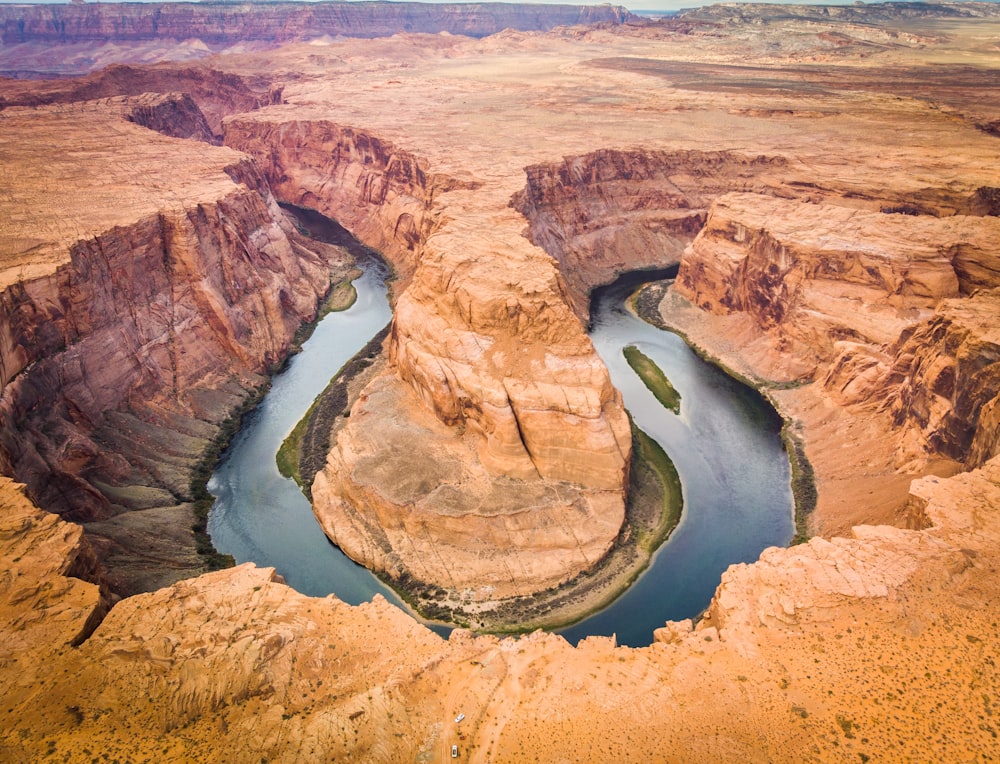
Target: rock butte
(826, 179)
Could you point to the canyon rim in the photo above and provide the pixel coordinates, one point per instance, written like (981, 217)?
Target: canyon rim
(824, 177)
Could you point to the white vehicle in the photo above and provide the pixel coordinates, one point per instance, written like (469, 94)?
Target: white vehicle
(458, 719)
(454, 752)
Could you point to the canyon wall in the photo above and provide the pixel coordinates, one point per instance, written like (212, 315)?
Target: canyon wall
(938, 380)
(173, 316)
(216, 94)
(608, 212)
(383, 194)
(120, 358)
(875, 305)
(230, 23)
(493, 457)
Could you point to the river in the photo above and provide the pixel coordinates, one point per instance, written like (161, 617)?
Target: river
(725, 444)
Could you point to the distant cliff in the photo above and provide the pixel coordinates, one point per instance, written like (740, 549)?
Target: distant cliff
(228, 23)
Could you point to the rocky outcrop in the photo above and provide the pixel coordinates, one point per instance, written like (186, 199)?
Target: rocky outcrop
(123, 349)
(939, 380)
(230, 23)
(173, 114)
(382, 194)
(215, 94)
(814, 645)
(493, 457)
(46, 603)
(603, 213)
(496, 467)
(813, 275)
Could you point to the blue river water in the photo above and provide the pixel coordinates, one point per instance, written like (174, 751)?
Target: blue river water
(724, 443)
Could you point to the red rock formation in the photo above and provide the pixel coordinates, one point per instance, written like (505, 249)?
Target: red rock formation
(151, 321)
(379, 192)
(516, 482)
(939, 380)
(215, 93)
(816, 274)
(174, 114)
(484, 339)
(228, 23)
(604, 213)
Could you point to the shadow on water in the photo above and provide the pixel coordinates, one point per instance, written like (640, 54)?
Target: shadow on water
(724, 443)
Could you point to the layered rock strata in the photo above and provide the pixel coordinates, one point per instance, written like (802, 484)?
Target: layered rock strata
(604, 213)
(938, 381)
(216, 94)
(813, 275)
(227, 24)
(123, 349)
(516, 481)
(381, 193)
(495, 464)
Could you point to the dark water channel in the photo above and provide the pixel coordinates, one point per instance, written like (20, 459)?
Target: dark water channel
(725, 444)
(727, 449)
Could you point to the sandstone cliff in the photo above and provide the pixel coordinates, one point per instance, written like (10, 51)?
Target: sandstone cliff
(812, 275)
(383, 194)
(229, 23)
(608, 212)
(509, 473)
(938, 380)
(216, 94)
(499, 468)
(120, 357)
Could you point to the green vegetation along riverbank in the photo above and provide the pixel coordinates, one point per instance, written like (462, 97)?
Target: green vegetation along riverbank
(653, 378)
(646, 304)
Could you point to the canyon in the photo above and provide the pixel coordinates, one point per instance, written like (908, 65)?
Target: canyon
(824, 179)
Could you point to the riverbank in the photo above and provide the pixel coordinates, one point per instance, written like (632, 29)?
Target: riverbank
(843, 465)
(653, 511)
(646, 303)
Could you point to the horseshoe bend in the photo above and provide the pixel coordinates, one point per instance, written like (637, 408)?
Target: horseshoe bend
(823, 178)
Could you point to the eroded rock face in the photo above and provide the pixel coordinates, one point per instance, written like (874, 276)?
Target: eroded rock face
(379, 192)
(406, 495)
(221, 23)
(816, 274)
(488, 341)
(216, 94)
(45, 603)
(939, 380)
(803, 644)
(173, 316)
(131, 335)
(524, 485)
(604, 213)
(496, 463)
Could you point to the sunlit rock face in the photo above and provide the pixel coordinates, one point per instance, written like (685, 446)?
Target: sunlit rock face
(814, 275)
(604, 213)
(495, 458)
(381, 193)
(518, 418)
(939, 380)
(152, 288)
(817, 651)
